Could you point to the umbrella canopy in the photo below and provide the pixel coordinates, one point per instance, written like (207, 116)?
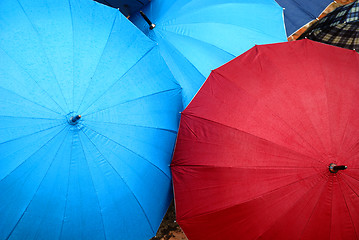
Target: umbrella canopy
(339, 28)
(297, 13)
(196, 36)
(127, 7)
(88, 123)
(255, 145)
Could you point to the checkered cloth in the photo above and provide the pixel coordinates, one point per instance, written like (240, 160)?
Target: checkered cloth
(339, 28)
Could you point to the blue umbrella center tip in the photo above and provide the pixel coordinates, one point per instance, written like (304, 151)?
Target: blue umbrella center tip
(73, 120)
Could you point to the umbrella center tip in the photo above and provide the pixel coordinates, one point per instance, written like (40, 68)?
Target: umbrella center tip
(73, 120)
(333, 168)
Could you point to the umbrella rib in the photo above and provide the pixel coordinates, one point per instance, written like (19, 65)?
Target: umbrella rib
(120, 78)
(346, 205)
(117, 143)
(93, 184)
(34, 118)
(164, 28)
(32, 154)
(276, 115)
(305, 10)
(67, 191)
(248, 200)
(123, 180)
(14, 139)
(107, 3)
(23, 214)
(196, 39)
(179, 9)
(35, 103)
(180, 53)
(37, 84)
(307, 222)
(98, 63)
(131, 100)
(132, 125)
(252, 135)
(351, 176)
(293, 206)
(47, 58)
(240, 167)
(73, 55)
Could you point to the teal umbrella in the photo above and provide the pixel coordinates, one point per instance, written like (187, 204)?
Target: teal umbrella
(197, 36)
(89, 114)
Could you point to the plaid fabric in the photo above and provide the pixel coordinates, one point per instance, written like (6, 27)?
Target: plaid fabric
(339, 28)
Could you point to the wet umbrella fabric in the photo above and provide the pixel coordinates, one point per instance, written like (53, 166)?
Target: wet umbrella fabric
(197, 36)
(297, 13)
(254, 147)
(104, 174)
(339, 28)
(127, 7)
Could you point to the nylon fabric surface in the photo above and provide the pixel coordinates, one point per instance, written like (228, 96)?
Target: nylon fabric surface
(197, 36)
(127, 7)
(254, 147)
(298, 13)
(106, 176)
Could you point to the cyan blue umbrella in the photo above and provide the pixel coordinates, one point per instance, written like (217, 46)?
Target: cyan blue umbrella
(196, 36)
(297, 13)
(101, 175)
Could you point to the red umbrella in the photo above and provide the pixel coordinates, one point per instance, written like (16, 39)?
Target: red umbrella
(255, 146)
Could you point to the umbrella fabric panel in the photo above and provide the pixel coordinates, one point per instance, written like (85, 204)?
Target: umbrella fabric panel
(297, 13)
(194, 30)
(127, 7)
(255, 144)
(108, 175)
(320, 116)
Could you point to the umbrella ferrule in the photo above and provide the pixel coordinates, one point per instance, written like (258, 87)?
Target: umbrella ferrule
(152, 25)
(75, 119)
(333, 168)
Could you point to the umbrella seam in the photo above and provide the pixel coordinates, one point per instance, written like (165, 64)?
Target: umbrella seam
(37, 84)
(99, 60)
(263, 194)
(251, 135)
(37, 104)
(23, 214)
(164, 28)
(14, 139)
(276, 115)
(93, 184)
(118, 80)
(315, 207)
(132, 125)
(149, 223)
(196, 39)
(346, 204)
(45, 53)
(128, 149)
(131, 100)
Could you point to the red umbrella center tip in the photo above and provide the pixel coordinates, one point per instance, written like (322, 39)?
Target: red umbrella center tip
(333, 168)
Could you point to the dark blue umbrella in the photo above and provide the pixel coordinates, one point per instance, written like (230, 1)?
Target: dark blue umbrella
(89, 114)
(297, 13)
(196, 36)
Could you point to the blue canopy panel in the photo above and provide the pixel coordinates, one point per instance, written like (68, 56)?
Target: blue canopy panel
(127, 7)
(297, 13)
(197, 36)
